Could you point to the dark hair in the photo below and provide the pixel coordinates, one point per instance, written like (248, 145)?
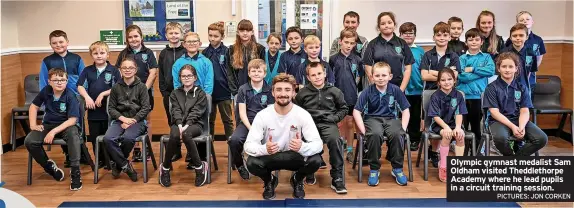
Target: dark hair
(348, 33)
(129, 57)
(293, 29)
(508, 55)
(57, 33)
(518, 26)
(57, 72)
(455, 19)
(446, 71)
(275, 35)
(352, 14)
(283, 77)
(441, 27)
(187, 67)
(313, 65)
(408, 26)
(472, 33)
(382, 14)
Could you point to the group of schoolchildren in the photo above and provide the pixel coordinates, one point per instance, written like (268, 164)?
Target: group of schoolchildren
(375, 86)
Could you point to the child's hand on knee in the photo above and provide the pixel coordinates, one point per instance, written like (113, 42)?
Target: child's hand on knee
(446, 133)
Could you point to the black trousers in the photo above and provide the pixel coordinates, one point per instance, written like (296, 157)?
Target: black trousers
(236, 142)
(378, 127)
(330, 135)
(35, 139)
(415, 120)
(166, 107)
(473, 118)
(174, 141)
(97, 128)
(293, 161)
(535, 139)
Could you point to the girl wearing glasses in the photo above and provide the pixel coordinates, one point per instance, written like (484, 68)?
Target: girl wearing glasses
(188, 103)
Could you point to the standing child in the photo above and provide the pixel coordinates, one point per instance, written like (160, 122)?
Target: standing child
(518, 36)
(476, 68)
(348, 69)
(167, 57)
(533, 41)
(508, 104)
(493, 43)
(327, 107)
(128, 107)
(188, 103)
(252, 97)
(241, 53)
(312, 49)
(216, 52)
(379, 105)
(456, 28)
(146, 67)
(94, 86)
(295, 56)
(273, 56)
(62, 111)
(389, 48)
(446, 108)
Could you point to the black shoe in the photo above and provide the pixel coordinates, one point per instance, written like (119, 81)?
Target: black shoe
(101, 164)
(131, 172)
(137, 155)
(310, 179)
(116, 171)
(415, 146)
(164, 177)
(187, 157)
(176, 156)
(298, 188)
(243, 172)
(201, 174)
(76, 179)
(338, 186)
(269, 188)
(433, 156)
(323, 165)
(52, 169)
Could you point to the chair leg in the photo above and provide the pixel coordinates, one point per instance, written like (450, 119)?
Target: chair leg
(228, 164)
(473, 145)
(13, 133)
(420, 150)
(86, 153)
(97, 155)
(562, 123)
(487, 145)
(29, 182)
(572, 128)
(144, 153)
(213, 155)
(208, 156)
(343, 156)
(150, 149)
(535, 117)
(537, 154)
(161, 157)
(409, 159)
(355, 155)
(360, 150)
(49, 148)
(426, 157)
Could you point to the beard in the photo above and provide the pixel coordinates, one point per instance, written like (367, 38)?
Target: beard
(283, 103)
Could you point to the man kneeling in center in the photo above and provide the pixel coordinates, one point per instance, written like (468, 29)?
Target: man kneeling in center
(275, 140)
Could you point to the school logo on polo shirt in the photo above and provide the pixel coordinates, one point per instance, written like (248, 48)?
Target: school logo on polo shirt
(354, 68)
(528, 60)
(359, 47)
(453, 102)
(221, 59)
(446, 62)
(517, 95)
(398, 49)
(302, 60)
(535, 47)
(391, 101)
(108, 78)
(263, 99)
(144, 57)
(62, 107)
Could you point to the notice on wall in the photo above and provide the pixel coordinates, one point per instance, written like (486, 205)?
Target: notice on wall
(309, 16)
(142, 8)
(148, 27)
(112, 37)
(177, 10)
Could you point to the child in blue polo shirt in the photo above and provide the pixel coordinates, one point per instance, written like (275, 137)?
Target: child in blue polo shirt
(94, 86)
(312, 47)
(295, 56)
(273, 56)
(508, 106)
(477, 67)
(62, 111)
(348, 69)
(528, 65)
(147, 67)
(252, 97)
(379, 104)
(446, 108)
(408, 32)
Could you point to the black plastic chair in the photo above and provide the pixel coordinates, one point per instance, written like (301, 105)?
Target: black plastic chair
(359, 148)
(546, 100)
(429, 135)
(205, 137)
(31, 90)
(146, 146)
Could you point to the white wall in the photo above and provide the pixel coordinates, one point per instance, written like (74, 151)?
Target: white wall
(9, 26)
(549, 16)
(568, 20)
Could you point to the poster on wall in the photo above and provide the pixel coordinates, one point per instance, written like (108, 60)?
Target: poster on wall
(264, 26)
(186, 25)
(309, 16)
(177, 10)
(141, 8)
(149, 30)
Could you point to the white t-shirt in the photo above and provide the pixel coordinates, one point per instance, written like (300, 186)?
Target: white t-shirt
(282, 128)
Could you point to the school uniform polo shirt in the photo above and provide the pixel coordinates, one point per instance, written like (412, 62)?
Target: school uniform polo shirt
(72, 63)
(346, 70)
(527, 63)
(446, 106)
(301, 77)
(432, 61)
(145, 60)
(255, 101)
(57, 110)
(508, 98)
(219, 60)
(95, 83)
(290, 61)
(272, 65)
(386, 104)
(415, 86)
(395, 52)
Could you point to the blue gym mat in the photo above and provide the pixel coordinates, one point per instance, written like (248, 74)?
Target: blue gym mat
(417, 202)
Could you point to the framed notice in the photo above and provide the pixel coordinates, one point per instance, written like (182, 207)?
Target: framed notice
(152, 16)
